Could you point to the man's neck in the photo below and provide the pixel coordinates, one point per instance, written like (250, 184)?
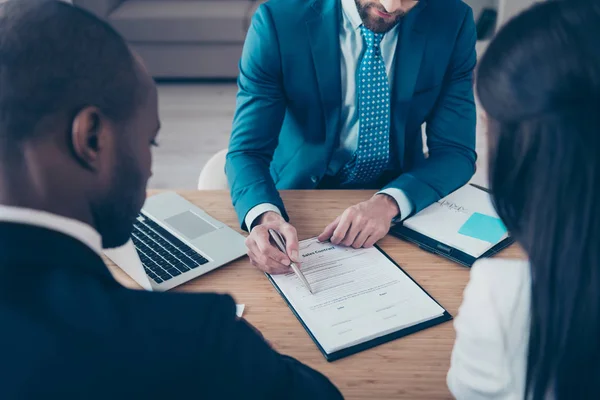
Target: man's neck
(52, 196)
(50, 221)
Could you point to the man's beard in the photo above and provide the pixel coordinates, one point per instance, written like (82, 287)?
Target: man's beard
(376, 24)
(116, 212)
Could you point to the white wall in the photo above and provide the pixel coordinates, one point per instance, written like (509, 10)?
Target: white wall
(479, 5)
(506, 8)
(510, 8)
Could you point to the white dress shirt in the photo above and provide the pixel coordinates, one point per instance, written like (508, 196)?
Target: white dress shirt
(67, 226)
(489, 359)
(351, 44)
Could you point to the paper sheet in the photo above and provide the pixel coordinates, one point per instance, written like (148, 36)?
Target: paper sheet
(359, 295)
(443, 220)
(239, 310)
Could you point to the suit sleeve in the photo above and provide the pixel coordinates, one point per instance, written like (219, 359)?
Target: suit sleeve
(196, 345)
(450, 130)
(260, 110)
(264, 373)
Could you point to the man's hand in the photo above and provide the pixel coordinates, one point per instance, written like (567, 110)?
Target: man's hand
(364, 224)
(263, 253)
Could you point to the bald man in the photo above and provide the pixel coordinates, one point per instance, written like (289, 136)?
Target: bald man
(78, 118)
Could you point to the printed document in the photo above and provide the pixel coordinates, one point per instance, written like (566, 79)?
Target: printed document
(359, 295)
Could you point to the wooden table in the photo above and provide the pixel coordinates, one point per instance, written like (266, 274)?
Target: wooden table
(413, 367)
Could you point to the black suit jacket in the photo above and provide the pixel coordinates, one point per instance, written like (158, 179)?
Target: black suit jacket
(69, 330)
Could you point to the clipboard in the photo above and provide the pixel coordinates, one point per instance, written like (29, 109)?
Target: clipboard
(442, 249)
(445, 317)
(433, 246)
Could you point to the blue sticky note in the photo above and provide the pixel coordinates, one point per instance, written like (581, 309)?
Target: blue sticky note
(483, 227)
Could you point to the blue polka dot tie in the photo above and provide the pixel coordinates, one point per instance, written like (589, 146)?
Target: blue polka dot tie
(373, 150)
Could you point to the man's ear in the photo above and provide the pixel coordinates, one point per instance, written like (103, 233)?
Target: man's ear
(87, 131)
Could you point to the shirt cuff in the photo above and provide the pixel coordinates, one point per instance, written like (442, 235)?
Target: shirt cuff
(404, 204)
(257, 211)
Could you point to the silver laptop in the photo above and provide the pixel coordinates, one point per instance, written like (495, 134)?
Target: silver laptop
(174, 241)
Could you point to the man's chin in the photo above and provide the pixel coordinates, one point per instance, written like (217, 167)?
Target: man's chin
(379, 24)
(117, 235)
(114, 241)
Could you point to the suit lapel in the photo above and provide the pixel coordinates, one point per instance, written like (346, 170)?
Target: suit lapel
(409, 52)
(324, 36)
(412, 39)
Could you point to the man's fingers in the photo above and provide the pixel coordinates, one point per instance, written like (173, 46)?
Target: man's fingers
(373, 239)
(361, 239)
(328, 231)
(356, 227)
(267, 264)
(291, 242)
(370, 242)
(340, 232)
(264, 254)
(266, 248)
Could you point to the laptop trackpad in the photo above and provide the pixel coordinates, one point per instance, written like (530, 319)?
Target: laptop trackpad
(190, 225)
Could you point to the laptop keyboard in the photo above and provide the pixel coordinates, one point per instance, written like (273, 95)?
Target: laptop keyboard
(163, 255)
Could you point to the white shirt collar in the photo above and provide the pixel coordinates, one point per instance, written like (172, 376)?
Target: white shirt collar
(67, 226)
(350, 12)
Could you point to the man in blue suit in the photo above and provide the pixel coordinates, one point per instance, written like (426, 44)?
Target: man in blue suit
(332, 95)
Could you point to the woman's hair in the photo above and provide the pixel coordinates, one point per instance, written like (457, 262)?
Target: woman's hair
(539, 83)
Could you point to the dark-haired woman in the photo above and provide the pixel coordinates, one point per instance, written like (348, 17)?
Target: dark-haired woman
(532, 329)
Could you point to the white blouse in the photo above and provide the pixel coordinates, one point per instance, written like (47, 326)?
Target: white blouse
(489, 359)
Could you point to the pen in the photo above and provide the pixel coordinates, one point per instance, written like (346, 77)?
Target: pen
(280, 242)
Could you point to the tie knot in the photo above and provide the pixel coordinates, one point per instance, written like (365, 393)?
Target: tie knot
(372, 39)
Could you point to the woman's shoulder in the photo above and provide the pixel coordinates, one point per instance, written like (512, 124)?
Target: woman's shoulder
(500, 273)
(489, 357)
(503, 288)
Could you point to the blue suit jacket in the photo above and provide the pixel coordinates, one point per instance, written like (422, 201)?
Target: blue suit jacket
(287, 122)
